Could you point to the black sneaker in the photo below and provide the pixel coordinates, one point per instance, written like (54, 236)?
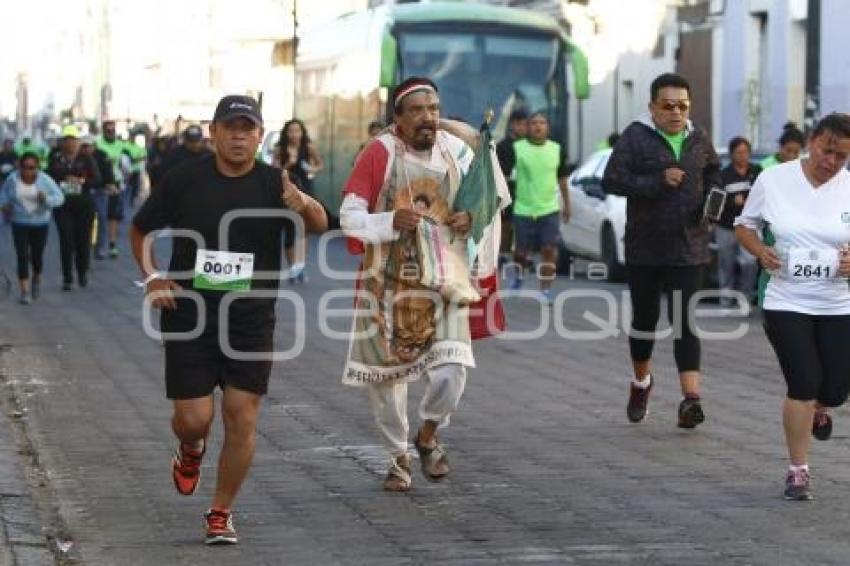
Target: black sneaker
(822, 425)
(67, 286)
(83, 280)
(690, 413)
(798, 486)
(637, 408)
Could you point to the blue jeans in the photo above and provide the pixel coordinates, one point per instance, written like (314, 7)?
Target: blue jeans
(101, 205)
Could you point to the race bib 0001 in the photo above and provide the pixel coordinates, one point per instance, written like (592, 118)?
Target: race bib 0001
(812, 264)
(223, 271)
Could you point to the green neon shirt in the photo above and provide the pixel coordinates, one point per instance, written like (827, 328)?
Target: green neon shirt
(537, 171)
(675, 141)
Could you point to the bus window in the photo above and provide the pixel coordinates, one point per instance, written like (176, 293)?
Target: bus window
(477, 71)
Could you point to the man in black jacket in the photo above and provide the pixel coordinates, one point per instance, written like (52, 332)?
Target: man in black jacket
(664, 166)
(77, 174)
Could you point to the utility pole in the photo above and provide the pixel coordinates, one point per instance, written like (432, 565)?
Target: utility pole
(294, 52)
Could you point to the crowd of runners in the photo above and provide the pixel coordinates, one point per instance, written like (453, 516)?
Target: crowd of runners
(408, 194)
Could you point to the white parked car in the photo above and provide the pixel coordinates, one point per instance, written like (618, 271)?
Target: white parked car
(598, 222)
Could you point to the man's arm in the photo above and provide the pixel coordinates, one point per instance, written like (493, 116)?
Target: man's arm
(621, 177)
(155, 284)
(357, 221)
(564, 186)
(97, 179)
(310, 210)
(566, 210)
(152, 216)
(461, 130)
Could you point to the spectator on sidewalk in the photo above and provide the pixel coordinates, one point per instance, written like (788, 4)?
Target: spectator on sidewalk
(737, 268)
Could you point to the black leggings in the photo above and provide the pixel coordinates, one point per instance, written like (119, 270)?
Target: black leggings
(678, 284)
(74, 220)
(813, 354)
(29, 247)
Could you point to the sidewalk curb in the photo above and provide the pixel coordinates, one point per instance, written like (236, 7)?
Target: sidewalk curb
(27, 537)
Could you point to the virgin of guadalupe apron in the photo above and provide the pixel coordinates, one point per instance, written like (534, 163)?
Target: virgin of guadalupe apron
(401, 328)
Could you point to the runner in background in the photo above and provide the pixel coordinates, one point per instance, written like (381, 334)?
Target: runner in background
(26, 199)
(114, 148)
(77, 174)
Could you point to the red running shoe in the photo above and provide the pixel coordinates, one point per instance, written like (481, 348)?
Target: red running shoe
(186, 468)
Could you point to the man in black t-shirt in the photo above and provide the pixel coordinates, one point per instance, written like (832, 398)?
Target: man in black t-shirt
(192, 148)
(517, 130)
(233, 350)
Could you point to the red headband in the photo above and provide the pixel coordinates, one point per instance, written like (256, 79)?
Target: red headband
(411, 89)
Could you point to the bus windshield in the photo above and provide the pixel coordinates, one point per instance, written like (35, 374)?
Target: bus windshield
(477, 71)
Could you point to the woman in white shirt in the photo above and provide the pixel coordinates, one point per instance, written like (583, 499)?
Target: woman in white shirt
(26, 198)
(806, 205)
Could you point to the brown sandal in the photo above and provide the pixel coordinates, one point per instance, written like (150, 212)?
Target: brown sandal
(435, 462)
(398, 476)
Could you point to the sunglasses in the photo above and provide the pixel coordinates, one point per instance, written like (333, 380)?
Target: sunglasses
(671, 105)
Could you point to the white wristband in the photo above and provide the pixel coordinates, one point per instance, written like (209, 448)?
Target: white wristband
(149, 278)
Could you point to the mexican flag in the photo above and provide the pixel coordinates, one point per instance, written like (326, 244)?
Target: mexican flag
(484, 193)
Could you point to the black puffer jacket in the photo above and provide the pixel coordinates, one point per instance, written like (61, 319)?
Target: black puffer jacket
(663, 224)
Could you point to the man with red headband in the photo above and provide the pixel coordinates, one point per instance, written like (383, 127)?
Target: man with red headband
(406, 178)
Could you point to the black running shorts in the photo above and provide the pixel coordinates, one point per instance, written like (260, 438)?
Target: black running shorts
(115, 206)
(194, 368)
(812, 352)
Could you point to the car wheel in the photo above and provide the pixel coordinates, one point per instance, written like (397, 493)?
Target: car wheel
(616, 271)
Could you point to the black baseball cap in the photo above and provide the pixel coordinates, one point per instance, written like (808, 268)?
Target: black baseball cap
(236, 105)
(193, 133)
